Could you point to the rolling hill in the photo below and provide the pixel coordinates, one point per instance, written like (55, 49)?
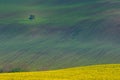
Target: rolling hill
(99, 72)
(63, 34)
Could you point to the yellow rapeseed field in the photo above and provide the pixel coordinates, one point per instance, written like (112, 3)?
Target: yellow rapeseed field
(98, 72)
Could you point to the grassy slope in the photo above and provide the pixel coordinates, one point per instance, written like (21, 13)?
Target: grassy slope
(99, 72)
(64, 33)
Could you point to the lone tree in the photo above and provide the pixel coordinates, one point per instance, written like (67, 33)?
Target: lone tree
(31, 17)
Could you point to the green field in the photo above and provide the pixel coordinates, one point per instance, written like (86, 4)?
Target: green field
(63, 34)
